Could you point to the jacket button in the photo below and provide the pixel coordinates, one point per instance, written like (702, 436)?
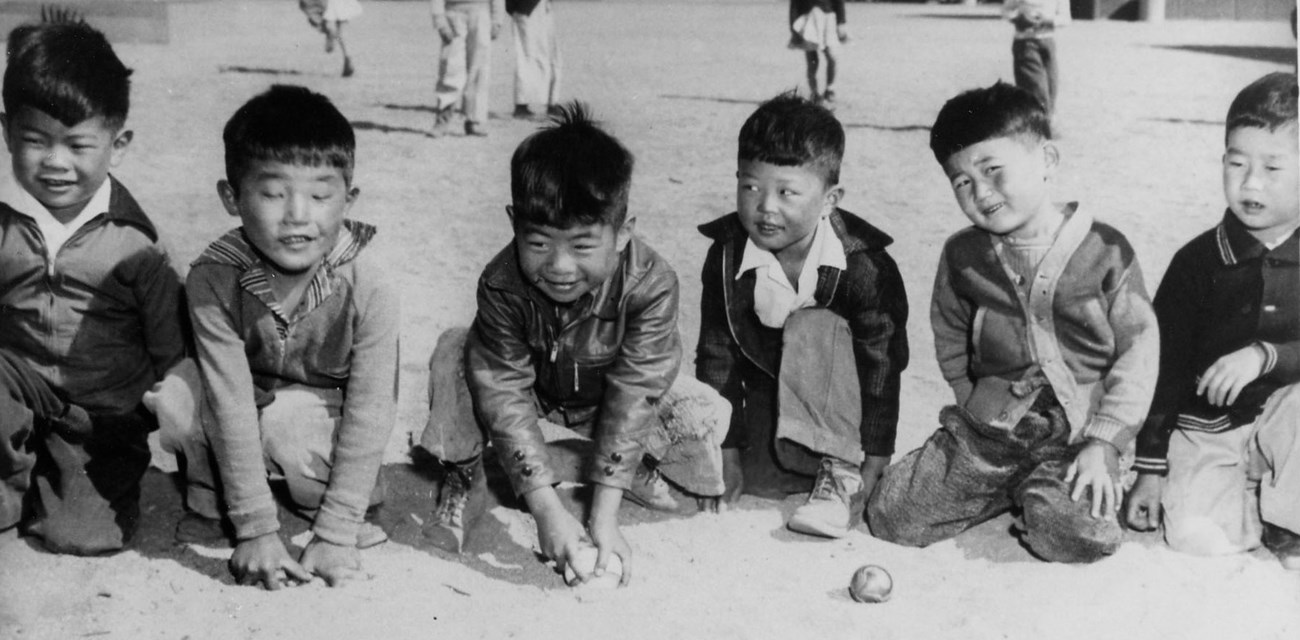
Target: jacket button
(609, 470)
(616, 457)
(527, 471)
(1004, 415)
(519, 454)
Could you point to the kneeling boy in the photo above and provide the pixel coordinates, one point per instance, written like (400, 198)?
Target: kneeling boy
(1044, 331)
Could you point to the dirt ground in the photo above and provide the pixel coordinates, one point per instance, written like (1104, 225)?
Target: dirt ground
(1141, 133)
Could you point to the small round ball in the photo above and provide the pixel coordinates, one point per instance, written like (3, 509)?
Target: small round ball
(871, 583)
(585, 561)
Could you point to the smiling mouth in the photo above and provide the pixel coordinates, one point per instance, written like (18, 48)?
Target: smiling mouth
(293, 241)
(1252, 205)
(54, 183)
(992, 209)
(767, 229)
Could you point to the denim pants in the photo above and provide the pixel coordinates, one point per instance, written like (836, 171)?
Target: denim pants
(968, 472)
(298, 428)
(1034, 64)
(71, 479)
(1221, 486)
(686, 444)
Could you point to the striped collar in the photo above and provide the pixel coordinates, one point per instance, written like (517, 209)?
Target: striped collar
(233, 249)
(1235, 244)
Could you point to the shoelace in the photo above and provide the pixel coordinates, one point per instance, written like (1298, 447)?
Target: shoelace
(452, 508)
(826, 485)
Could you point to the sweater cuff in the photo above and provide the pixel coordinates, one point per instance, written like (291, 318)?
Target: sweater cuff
(334, 529)
(255, 523)
(1270, 357)
(1151, 466)
(1107, 429)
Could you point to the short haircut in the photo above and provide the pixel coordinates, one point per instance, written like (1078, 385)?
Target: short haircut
(997, 111)
(570, 173)
(68, 70)
(789, 130)
(288, 124)
(1267, 103)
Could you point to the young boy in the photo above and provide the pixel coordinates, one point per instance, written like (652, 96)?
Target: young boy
(1044, 331)
(296, 332)
(1223, 422)
(466, 29)
(577, 323)
(803, 321)
(817, 28)
(1033, 49)
(91, 303)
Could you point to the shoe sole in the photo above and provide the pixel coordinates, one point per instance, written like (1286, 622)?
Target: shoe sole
(822, 529)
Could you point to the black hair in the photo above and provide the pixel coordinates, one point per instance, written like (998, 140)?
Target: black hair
(789, 130)
(569, 173)
(67, 69)
(997, 111)
(288, 124)
(1268, 103)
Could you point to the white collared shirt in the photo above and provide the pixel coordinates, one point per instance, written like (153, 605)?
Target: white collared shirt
(774, 297)
(54, 232)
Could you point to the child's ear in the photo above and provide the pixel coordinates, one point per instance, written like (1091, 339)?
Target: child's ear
(121, 142)
(4, 126)
(833, 197)
(624, 234)
(1051, 158)
(229, 199)
(351, 198)
(510, 213)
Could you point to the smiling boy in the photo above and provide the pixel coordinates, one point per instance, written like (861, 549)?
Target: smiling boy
(1223, 422)
(296, 333)
(802, 322)
(90, 311)
(1044, 331)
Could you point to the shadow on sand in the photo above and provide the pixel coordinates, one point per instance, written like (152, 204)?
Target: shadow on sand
(258, 70)
(1279, 55)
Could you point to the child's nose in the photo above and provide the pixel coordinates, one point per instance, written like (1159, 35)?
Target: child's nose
(561, 262)
(767, 202)
(54, 158)
(296, 210)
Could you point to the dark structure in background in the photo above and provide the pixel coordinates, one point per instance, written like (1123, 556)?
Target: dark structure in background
(1186, 9)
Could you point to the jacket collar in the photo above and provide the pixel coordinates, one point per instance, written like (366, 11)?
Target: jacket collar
(122, 207)
(233, 249)
(1236, 245)
(855, 233)
(504, 273)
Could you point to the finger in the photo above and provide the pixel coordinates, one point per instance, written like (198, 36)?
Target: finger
(341, 576)
(1233, 391)
(627, 570)
(270, 580)
(1097, 497)
(602, 558)
(296, 571)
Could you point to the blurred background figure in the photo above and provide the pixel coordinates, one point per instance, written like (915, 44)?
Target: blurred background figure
(466, 29)
(328, 17)
(537, 57)
(817, 27)
(1033, 51)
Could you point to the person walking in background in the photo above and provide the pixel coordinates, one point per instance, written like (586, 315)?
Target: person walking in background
(466, 29)
(812, 31)
(1033, 51)
(328, 16)
(537, 56)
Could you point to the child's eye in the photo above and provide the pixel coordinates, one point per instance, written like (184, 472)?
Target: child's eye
(271, 195)
(789, 192)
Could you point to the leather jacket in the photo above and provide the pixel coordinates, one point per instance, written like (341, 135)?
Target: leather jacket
(609, 361)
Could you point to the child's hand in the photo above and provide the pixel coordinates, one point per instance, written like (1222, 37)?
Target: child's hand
(1143, 512)
(335, 563)
(263, 560)
(1221, 383)
(559, 534)
(606, 534)
(443, 26)
(842, 32)
(733, 479)
(1097, 469)
(872, 468)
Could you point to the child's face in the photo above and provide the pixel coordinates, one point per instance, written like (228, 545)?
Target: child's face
(291, 213)
(61, 166)
(1001, 184)
(780, 206)
(565, 264)
(1260, 179)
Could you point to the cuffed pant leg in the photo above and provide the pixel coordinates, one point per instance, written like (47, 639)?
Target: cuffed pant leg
(452, 75)
(1030, 61)
(819, 399)
(1057, 528)
(536, 56)
(88, 490)
(1277, 450)
(298, 431)
(478, 63)
(687, 441)
(959, 478)
(1210, 502)
(452, 433)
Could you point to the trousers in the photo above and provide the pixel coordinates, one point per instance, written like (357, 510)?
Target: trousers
(537, 56)
(465, 63)
(1034, 65)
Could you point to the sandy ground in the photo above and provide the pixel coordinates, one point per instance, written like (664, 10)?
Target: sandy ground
(1140, 116)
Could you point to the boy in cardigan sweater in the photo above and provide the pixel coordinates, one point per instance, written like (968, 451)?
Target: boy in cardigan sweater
(1044, 331)
(296, 333)
(1223, 423)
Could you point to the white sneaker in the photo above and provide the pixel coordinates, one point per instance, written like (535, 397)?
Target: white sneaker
(826, 513)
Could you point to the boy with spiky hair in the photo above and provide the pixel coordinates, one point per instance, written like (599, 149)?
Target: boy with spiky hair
(1044, 331)
(92, 316)
(295, 327)
(802, 323)
(576, 323)
(1223, 422)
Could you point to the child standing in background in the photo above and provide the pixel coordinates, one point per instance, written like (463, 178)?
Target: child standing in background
(328, 16)
(812, 31)
(1033, 52)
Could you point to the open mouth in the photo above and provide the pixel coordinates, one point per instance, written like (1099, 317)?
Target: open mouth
(992, 209)
(767, 229)
(54, 184)
(295, 241)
